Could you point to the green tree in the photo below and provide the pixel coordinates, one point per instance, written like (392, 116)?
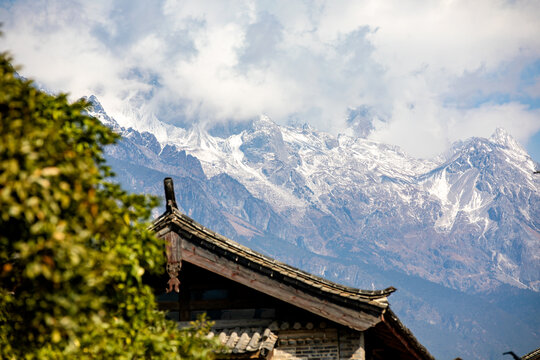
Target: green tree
(73, 246)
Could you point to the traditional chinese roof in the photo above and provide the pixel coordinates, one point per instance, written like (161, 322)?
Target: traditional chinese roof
(253, 339)
(195, 233)
(246, 340)
(533, 355)
(355, 308)
(404, 335)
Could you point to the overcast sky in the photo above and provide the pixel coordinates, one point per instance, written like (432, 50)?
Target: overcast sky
(424, 73)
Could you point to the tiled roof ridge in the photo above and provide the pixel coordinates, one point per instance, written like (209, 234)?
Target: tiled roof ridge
(183, 220)
(242, 340)
(535, 354)
(392, 320)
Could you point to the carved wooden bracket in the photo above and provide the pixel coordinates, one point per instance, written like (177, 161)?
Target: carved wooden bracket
(174, 260)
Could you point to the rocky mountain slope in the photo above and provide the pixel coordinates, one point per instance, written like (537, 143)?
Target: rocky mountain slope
(466, 225)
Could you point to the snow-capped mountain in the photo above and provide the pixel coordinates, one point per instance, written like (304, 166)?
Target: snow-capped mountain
(356, 210)
(353, 196)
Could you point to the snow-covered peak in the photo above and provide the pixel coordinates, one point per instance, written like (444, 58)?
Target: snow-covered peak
(503, 138)
(307, 128)
(98, 112)
(96, 105)
(264, 122)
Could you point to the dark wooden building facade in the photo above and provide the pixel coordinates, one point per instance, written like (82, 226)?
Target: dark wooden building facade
(265, 309)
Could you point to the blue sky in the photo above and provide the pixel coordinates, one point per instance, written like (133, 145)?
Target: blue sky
(426, 72)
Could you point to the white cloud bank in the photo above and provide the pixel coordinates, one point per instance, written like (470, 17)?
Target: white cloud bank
(430, 72)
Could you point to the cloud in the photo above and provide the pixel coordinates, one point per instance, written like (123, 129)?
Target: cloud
(261, 41)
(426, 129)
(429, 72)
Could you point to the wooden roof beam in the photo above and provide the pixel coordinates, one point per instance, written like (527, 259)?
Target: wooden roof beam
(234, 271)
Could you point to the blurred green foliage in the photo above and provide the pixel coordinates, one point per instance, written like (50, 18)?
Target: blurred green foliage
(73, 246)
